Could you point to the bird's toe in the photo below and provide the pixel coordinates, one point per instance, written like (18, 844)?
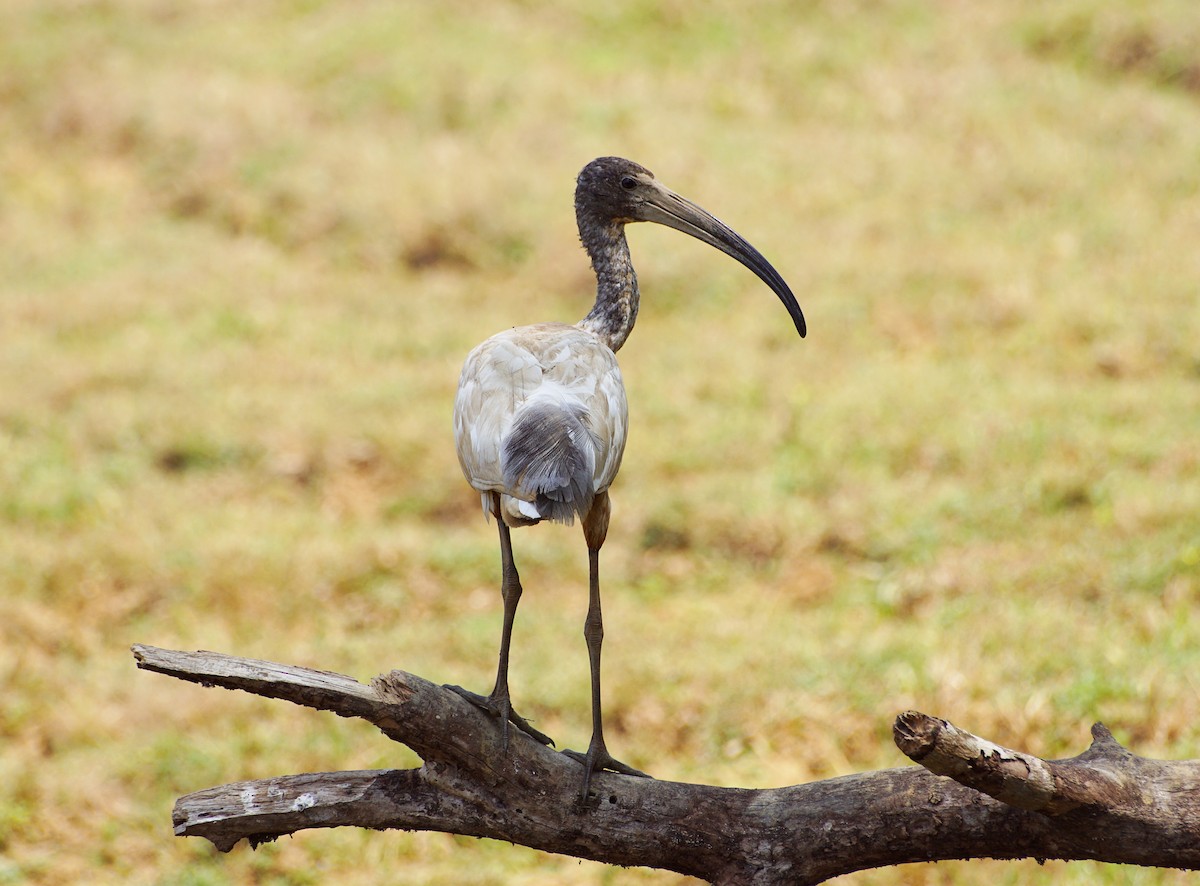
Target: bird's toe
(501, 708)
(598, 759)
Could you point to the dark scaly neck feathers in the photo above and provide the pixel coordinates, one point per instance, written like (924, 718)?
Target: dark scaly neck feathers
(613, 315)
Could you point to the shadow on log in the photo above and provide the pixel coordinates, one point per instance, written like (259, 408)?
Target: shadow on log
(969, 798)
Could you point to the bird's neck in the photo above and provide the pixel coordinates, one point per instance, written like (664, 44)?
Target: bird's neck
(615, 311)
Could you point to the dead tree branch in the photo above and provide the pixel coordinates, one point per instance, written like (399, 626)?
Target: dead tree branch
(1107, 804)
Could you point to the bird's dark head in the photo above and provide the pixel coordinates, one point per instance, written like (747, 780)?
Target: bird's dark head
(614, 191)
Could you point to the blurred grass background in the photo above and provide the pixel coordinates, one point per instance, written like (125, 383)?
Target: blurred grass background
(246, 247)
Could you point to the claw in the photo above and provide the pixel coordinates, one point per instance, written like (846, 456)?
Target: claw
(501, 708)
(598, 759)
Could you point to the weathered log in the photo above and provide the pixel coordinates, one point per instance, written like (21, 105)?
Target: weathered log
(969, 799)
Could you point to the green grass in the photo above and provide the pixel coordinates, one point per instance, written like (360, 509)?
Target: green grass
(246, 247)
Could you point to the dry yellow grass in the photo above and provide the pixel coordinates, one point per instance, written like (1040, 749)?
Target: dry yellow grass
(246, 247)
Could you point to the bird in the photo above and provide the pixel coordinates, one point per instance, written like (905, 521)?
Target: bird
(540, 414)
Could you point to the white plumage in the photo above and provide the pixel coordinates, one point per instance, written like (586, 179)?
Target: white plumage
(561, 381)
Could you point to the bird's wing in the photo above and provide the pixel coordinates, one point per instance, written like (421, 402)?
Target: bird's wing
(607, 411)
(497, 378)
(529, 368)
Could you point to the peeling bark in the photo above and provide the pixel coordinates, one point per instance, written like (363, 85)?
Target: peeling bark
(970, 798)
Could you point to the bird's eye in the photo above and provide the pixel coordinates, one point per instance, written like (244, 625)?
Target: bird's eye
(629, 183)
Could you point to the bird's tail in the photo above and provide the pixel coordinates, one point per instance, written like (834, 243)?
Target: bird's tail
(549, 458)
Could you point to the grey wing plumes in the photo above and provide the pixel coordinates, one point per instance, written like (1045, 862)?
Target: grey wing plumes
(549, 459)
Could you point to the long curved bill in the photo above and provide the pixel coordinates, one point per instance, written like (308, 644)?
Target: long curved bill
(665, 207)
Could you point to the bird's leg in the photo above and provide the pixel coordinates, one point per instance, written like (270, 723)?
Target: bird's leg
(595, 528)
(498, 703)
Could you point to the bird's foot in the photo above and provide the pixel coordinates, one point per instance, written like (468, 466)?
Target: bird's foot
(501, 708)
(598, 759)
